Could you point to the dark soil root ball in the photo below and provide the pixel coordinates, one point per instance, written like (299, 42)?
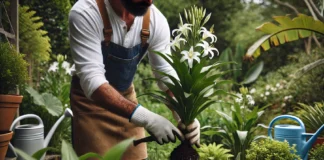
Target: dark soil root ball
(184, 152)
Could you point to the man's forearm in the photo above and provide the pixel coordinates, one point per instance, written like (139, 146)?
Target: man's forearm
(109, 98)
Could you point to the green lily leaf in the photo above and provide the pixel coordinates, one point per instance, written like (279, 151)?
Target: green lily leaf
(67, 151)
(40, 153)
(90, 155)
(118, 150)
(24, 155)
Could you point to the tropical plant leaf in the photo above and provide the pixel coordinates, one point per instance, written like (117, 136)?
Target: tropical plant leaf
(38, 99)
(53, 104)
(118, 150)
(67, 151)
(253, 73)
(288, 30)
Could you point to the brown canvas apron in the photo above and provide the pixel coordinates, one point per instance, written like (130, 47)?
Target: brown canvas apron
(94, 129)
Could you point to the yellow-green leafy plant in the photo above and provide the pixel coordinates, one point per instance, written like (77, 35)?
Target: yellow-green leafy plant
(196, 84)
(317, 153)
(13, 68)
(214, 152)
(269, 149)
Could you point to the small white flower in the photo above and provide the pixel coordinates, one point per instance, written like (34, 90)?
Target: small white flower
(268, 87)
(273, 89)
(239, 99)
(53, 67)
(68, 71)
(176, 42)
(65, 65)
(207, 34)
(207, 49)
(190, 56)
(250, 100)
(267, 93)
(283, 104)
(261, 95)
(182, 29)
(278, 85)
(290, 96)
(65, 105)
(253, 90)
(286, 98)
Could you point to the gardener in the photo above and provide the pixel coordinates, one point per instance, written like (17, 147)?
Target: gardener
(108, 39)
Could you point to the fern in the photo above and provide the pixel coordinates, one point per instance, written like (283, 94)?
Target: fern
(214, 152)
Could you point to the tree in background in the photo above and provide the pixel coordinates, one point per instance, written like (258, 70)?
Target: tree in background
(54, 15)
(34, 41)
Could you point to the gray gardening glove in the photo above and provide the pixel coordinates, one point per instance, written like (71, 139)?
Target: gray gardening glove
(159, 127)
(193, 130)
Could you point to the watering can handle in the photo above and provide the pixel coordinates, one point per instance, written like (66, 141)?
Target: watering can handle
(24, 117)
(284, 117)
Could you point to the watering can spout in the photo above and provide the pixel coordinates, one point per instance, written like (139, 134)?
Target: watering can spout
(311, 141)
(67, 113)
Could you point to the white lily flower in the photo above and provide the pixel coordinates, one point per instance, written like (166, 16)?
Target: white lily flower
(176, 42)
(66, 65)
(207, 49)
(53, 67)
(207, 34)
(190, 56)
(182, 29)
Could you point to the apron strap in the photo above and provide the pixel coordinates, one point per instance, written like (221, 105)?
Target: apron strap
(145, 33)
(107, 31)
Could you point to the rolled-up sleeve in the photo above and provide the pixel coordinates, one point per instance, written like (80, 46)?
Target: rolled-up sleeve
(160, 42)
(86, 51)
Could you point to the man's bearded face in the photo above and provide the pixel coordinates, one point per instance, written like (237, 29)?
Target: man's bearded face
(137, 8)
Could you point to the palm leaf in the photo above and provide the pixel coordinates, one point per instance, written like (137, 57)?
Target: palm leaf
(288, 30)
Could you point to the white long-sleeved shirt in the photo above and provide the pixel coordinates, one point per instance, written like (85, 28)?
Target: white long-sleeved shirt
(86, 34)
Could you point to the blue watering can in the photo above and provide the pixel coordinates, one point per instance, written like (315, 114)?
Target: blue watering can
(294, 134)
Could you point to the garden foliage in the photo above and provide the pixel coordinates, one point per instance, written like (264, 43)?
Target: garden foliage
(269, 149)
(13, 69)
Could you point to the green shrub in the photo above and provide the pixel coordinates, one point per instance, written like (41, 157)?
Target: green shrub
(269, 149)
(317, 153)
(13, 68)
(213, 152)
(284, 90)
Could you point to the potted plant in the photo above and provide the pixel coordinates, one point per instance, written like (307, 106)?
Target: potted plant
(317, 152)
(196, 85)
(13, 69)
(268, 149)
(214, 152)
(313, 118)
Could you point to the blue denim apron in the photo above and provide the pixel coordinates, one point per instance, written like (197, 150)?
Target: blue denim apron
(121, 63)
